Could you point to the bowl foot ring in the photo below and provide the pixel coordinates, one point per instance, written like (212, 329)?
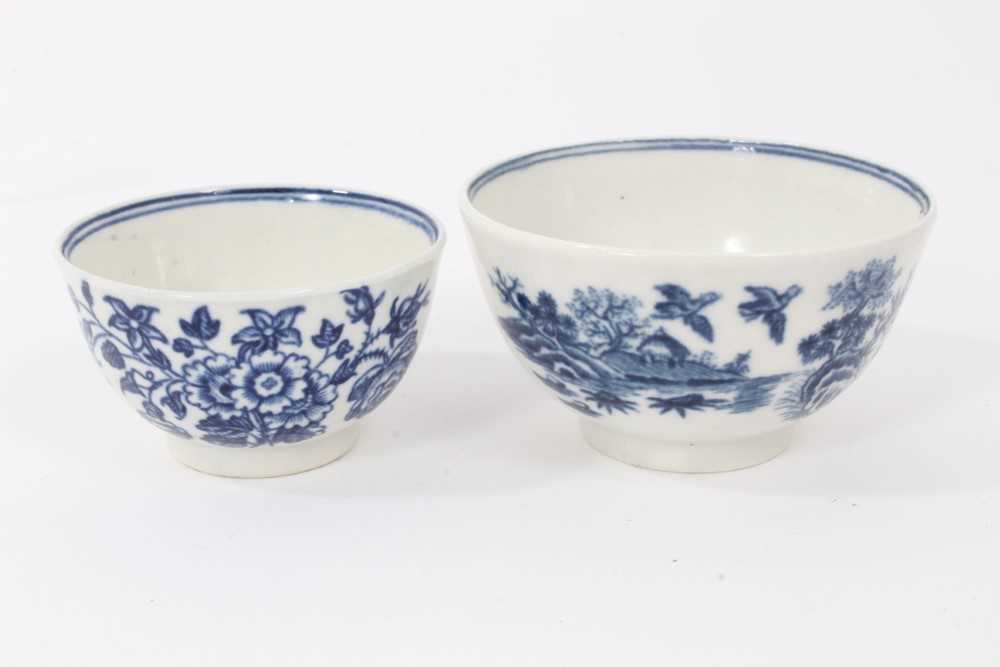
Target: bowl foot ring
(266, 460)
(686, 455)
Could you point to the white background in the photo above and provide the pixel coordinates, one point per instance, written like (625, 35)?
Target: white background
(472, 526)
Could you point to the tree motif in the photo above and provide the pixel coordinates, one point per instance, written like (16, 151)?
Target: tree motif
(609, 321)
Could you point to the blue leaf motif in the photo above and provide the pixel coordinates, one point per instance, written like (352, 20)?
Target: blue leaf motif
(157, 358)
(297, 434)
(183, 345)
(344, 372)
(524, 302)
(188, 328)
(207, 327)
(682, 404)
(201, 326)
(152, 410)
(231, 432)
(176, 405)
(87, 295)
(128, 384)
(344, 349)
(328, 334)
(112, 355)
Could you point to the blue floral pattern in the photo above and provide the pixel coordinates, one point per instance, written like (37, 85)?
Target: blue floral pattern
(270, 391)
(603, 352)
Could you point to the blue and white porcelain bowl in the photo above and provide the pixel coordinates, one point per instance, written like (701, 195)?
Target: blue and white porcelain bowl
(257, 327)
(693, 298)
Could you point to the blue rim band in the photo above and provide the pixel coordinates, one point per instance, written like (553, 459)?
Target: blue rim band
(146, 207)
(888, 175)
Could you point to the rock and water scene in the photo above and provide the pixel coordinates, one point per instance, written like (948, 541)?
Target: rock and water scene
(605, 352)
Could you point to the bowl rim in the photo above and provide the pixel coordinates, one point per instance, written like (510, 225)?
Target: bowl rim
(894, 177)
(80, 230)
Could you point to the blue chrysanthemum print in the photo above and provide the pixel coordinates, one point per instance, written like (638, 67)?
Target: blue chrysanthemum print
(209, 385)
(378, 381)
(270, 382)
(318, 401)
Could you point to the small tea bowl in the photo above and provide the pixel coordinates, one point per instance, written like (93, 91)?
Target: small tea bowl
(257, 327)
(692, 298)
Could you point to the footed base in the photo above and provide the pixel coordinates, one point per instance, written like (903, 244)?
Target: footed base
(685, 456)
(264, 461)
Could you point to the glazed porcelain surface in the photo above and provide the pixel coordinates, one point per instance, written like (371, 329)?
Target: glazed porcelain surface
(258, 326)
(691, 299)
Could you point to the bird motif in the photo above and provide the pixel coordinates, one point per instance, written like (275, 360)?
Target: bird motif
(769, 306)
(681, 305)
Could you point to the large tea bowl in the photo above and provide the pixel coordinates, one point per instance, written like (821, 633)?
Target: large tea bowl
(257, 327)
(691, 299)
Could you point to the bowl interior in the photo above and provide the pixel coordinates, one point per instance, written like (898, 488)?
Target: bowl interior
(700, 196)
(273, 238)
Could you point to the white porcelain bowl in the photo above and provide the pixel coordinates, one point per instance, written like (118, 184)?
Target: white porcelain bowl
(258, 326)
(693, 298)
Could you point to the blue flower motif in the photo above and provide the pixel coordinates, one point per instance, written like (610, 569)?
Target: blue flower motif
(268, 331)
(135, 323)
(209, 385)
(270, 382)
(321, 393)
(262, 395)
(184, 346)
(152, 410)
(362, 304)
(403, 314)
(375, 385)
(112, 355)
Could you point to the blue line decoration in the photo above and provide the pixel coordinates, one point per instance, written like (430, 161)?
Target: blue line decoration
(769, 305)
(273, 390)
(891, 177)
(606, 354)
(147, 207)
